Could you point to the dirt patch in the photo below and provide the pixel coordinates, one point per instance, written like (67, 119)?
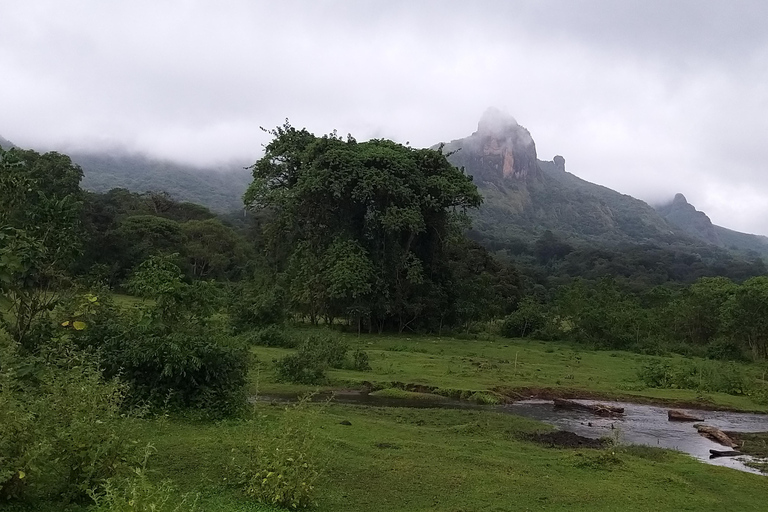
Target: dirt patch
(564, 439)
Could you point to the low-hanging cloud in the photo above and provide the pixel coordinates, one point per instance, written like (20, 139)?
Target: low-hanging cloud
(649, 98)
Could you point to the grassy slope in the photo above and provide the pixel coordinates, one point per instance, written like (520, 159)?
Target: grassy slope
(451, 364)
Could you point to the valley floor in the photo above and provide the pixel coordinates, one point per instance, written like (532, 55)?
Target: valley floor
(413, 459)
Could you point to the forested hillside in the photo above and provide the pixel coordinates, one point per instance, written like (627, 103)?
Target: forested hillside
(220, 189)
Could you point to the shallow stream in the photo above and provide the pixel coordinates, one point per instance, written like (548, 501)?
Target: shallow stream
(640, 424)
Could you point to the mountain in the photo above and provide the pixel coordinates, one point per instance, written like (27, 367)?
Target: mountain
(6, 144)
(525, 196)
(685, 216)
(220, 189)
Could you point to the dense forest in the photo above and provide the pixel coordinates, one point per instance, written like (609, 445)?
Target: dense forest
(359, 236)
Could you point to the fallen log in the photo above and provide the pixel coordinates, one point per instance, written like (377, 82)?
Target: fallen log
(599, 409)
(713, 454)
(677, 415)
(715, 434)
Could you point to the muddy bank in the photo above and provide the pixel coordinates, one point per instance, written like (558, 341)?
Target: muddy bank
(564, 439)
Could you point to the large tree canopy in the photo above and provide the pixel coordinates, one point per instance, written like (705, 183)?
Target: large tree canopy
(361, 229)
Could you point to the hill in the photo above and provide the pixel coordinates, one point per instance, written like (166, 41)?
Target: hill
(685, 216)
(220, 189)
(6, 144)
(525, 196)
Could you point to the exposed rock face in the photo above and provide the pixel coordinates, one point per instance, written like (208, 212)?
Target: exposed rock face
(559, 163)
(500, 150)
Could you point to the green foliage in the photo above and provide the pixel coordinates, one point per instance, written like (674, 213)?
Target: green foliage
(40, 203)
(525, 321)
(316, 354)
(700, 375)
(62, 430)
(360, 361)
(137, 493)
(280, 469)
(251, 306)
(271, 336)
(362, 227)
(172, 348)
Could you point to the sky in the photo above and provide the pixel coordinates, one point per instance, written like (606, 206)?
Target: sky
(648, 97)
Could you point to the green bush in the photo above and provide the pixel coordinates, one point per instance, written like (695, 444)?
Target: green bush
(725, 349)
(707, 376)
(62, 431)
(272, 336)
(280, 469)
(360, 361)
(301, 368)
(316, 354)
(525, 321)
(178, 355)
(138, 493)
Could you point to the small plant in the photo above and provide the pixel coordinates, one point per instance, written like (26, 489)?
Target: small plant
(138, 493)
(280, 470)
(360, 361)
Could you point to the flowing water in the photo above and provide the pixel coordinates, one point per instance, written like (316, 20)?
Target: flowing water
(648, 425)
(640, 424)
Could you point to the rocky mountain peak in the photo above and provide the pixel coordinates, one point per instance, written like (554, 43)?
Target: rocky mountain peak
(679, 200)
(499, 150)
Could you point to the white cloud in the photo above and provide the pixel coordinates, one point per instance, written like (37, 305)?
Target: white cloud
(649, 98)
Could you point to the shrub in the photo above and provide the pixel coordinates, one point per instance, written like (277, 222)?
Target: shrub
(61, 426)
(280, 470)
(138, 493)
(314, 356)
(272, 336)
(725, 350)
(528, 318)
(360, 361)
(698, 375)
(301, 368)
(170, 351)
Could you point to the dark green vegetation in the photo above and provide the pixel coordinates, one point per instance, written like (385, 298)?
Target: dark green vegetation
(138, 401)
(220, 189)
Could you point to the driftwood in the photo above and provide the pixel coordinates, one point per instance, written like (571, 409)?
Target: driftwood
(715, 434)
(599, 409)
(677, 415)
(713, 454)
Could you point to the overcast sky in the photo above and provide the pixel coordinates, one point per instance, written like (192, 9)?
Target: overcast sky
(646, 97)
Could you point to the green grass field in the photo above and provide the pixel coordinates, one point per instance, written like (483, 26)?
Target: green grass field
(400, 459)
(499, 364)
(405, 459)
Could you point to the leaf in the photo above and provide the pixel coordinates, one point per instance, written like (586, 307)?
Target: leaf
(22, 475)
(65, 323)
(79, 326)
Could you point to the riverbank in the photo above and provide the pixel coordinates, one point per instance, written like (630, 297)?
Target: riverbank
(512, 370)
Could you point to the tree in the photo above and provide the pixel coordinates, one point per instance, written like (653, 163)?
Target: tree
(40, 202)
(363, 226)
(212, 250)
(745, 315)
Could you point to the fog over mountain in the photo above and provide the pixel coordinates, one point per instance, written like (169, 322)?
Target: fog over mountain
(648, 98)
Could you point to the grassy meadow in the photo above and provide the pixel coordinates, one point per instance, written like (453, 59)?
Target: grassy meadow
(513, 368)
